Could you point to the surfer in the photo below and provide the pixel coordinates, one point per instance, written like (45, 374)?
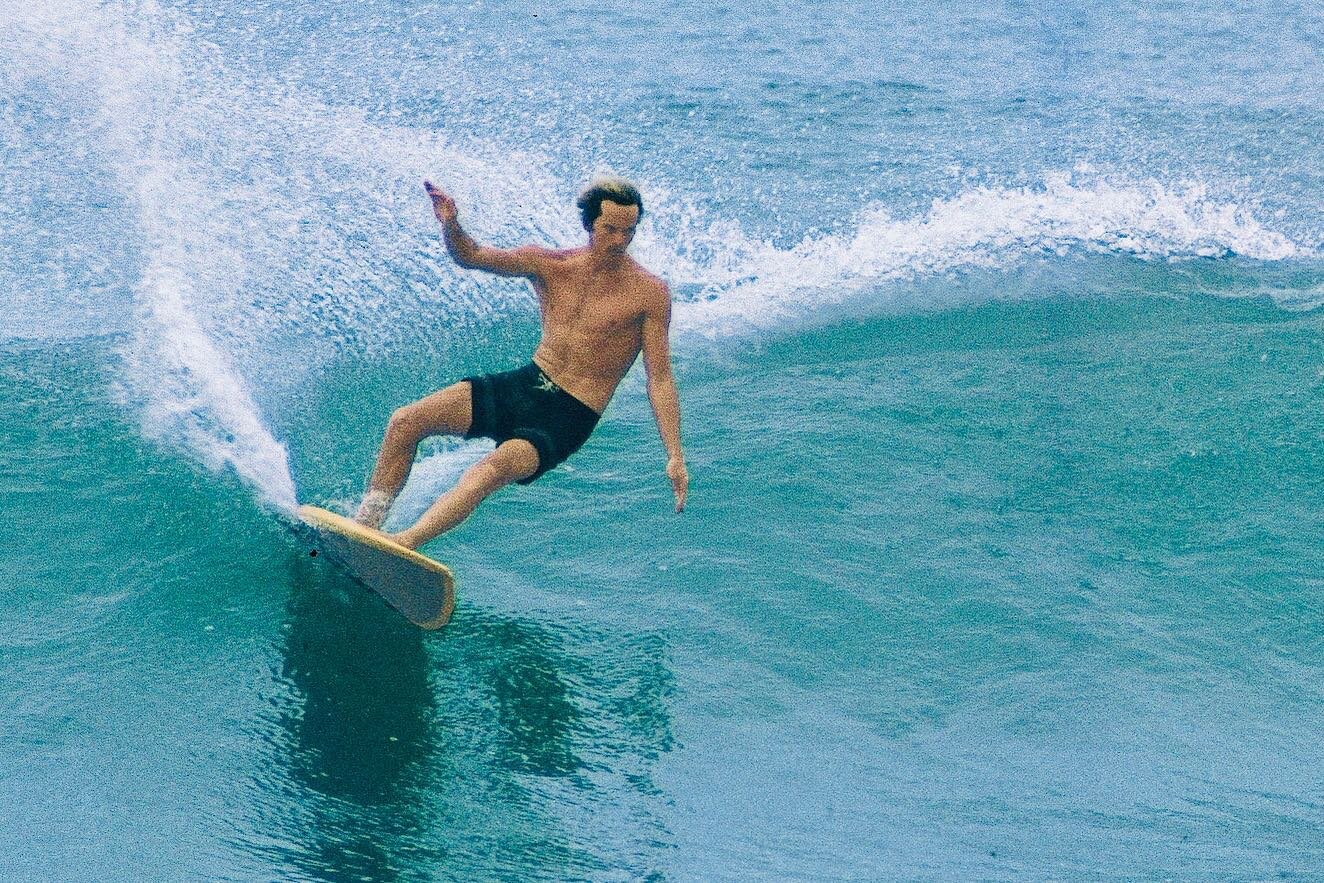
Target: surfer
(600, 309)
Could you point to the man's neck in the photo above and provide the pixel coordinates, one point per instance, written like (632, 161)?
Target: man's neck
(607, 263)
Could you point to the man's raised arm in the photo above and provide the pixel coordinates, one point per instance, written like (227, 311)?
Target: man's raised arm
(527, 260)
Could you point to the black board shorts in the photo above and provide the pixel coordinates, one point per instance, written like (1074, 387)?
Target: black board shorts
(526, 404)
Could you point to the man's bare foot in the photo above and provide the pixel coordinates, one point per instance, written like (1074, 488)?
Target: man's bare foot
(373, 509)
(406, 539)
(383, 535)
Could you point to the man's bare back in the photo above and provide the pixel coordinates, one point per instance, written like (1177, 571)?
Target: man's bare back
(600, 309)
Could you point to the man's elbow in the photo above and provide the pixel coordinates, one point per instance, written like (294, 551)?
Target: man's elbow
(471, 259)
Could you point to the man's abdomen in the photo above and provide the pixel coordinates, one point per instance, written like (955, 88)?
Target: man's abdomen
(590, 375)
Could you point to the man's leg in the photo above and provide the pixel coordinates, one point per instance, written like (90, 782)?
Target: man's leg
(511, 461)
(446, 412)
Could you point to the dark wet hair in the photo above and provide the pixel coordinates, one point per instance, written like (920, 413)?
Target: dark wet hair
(612, 189)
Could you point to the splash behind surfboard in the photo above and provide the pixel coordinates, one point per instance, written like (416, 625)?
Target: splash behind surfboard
(420, 588)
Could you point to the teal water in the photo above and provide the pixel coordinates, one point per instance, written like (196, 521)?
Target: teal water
(1005, 610)
(999, 339)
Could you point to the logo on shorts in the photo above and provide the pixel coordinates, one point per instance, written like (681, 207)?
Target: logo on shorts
(545, 383)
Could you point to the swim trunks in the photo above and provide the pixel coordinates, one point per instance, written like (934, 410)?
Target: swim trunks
(526, 404)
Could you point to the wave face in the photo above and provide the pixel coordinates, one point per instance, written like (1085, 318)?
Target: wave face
(997, 336)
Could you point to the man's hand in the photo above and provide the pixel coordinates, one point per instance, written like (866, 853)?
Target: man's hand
(442, 205)
(680, 480)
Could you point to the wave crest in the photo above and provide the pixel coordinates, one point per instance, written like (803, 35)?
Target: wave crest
(731, 282)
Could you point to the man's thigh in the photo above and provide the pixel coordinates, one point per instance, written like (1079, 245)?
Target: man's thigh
(447, 411)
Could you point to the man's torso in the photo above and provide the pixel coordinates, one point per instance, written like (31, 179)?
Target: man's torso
(592, 325)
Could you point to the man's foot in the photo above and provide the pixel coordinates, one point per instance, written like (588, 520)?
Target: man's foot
(373, 509)
(406, 539)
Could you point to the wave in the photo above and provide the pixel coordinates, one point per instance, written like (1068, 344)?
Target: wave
(274, 231)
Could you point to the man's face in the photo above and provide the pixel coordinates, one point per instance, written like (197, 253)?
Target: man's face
(614, 228)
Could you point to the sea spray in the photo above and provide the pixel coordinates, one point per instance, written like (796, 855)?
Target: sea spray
(198, 399)
(252, 261)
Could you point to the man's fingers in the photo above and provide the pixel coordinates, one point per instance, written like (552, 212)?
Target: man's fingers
(680, 481)
(442, 205)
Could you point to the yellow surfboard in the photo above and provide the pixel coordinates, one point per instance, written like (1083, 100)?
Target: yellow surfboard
(420, 588)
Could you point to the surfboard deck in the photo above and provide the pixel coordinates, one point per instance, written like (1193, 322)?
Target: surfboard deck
(411, 582)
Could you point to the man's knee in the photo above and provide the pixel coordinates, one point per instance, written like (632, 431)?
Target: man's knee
(447, 412)
(406, 424)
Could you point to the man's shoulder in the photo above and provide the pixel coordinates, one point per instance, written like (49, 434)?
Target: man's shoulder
(554, 256)
(649, 283)
(653, 296)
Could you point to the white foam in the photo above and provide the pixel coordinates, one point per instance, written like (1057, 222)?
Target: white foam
(187, 389)
(434, 474)
(198, 399)
(743, 283)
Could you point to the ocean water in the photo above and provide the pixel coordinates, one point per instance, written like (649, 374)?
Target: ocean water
(999, 334)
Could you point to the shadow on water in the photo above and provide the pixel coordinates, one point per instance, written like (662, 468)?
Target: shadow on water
(353, 735)
(399, 754)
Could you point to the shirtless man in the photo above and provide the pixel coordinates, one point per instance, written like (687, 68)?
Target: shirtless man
(599, 310)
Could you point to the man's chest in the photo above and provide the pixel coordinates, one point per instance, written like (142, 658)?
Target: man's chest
(595, 310)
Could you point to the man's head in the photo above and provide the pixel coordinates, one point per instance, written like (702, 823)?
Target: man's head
(610, 208)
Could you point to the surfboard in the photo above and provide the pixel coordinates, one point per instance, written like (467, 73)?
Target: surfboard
(411, 582)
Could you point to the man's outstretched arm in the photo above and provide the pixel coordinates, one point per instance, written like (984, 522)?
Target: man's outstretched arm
(662, 391)
(527, 260)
